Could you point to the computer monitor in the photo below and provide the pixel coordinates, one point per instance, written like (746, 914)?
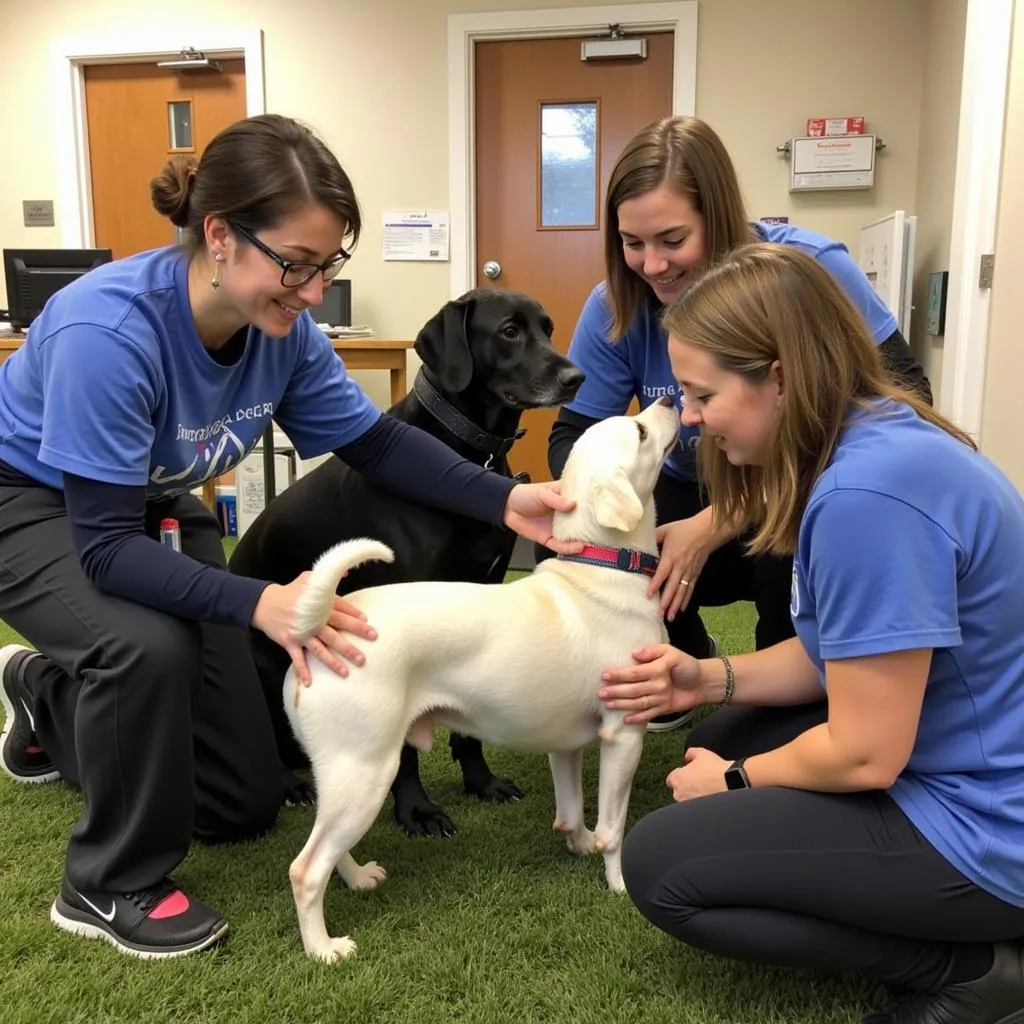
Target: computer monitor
(33, 275)
(336, 307)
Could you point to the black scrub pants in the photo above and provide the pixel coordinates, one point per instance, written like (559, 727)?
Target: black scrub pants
(159, 721)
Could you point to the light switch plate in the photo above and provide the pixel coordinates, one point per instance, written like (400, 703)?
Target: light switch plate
(38, 213)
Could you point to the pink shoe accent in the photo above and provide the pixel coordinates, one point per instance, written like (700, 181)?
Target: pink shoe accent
(171, 905)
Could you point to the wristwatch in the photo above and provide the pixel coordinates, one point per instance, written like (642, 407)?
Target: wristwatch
(736, 776)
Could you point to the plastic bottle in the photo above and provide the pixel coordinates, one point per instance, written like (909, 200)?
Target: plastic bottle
(170, 533)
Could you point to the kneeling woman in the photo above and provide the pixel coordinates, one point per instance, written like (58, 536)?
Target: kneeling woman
(885, 833)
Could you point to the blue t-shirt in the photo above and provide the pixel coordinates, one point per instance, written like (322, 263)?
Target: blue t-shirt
(638, 365)
(113, 384)
(912, 540)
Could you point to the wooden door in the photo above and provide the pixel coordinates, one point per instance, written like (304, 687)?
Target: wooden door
(549, 128)
(138, 115)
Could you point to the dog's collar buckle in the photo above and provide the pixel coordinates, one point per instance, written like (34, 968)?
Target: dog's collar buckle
(627, 559)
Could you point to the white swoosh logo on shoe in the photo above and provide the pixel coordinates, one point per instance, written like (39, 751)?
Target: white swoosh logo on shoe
(106, 917)
(31, 718)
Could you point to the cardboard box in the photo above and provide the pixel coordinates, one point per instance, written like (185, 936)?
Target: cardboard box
(818, 126)
(249, 487)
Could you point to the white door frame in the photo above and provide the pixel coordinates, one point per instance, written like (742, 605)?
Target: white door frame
(464, 29)
(68, 58)
(975, 208)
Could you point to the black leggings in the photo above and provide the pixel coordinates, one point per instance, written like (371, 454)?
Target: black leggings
(790, 878)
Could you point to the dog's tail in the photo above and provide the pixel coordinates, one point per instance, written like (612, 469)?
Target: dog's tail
(315, 604)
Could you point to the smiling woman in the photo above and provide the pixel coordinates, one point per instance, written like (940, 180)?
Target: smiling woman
(673, 209)
(124, 398)
(304, 207)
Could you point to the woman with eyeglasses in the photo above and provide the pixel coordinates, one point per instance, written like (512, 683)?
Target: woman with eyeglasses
(137, 383)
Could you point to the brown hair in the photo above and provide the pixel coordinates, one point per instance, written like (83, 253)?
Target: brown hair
(764, 303)
(686, 155)
(255, 172)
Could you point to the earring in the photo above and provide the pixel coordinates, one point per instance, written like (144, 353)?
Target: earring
(215, 283)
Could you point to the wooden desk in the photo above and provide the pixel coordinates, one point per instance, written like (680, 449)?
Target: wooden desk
(358, 354)
(370, 354)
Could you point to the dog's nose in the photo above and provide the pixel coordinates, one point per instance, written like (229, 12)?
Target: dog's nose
(665, 401)
(571, 377)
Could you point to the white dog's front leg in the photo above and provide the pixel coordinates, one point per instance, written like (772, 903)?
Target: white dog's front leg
(619, 759)
(567, 774)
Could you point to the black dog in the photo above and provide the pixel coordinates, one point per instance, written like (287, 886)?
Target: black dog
(486, 357)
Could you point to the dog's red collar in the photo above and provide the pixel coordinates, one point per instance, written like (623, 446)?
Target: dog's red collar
(618, 558)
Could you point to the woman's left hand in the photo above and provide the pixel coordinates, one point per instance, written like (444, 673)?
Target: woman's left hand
(702, 774)
(530, 512)
(685, 546)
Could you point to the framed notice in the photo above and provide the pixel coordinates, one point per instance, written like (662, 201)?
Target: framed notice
(832, 161)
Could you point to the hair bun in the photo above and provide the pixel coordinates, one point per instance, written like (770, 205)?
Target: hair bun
(172, 188)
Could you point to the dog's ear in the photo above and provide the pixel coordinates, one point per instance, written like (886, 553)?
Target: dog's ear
(615, 503)
(443, 345)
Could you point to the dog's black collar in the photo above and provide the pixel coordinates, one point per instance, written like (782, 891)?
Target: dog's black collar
(626, 559)
(459, 424)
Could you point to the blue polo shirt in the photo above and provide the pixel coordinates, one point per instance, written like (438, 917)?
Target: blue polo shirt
(912, 540)
(114, 384)
(638, 366)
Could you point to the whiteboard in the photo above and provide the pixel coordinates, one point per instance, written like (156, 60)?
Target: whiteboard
(887, 258)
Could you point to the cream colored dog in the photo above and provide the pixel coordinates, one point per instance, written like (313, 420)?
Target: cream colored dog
(518, 665)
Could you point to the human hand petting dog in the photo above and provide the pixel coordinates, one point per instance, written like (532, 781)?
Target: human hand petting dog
(663, 681)
(530, 512)
(685, 547)
(276, 615)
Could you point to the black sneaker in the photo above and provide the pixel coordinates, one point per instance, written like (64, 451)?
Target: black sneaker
(997, 997)
(666, 723)
(154, 923)
(20, 754)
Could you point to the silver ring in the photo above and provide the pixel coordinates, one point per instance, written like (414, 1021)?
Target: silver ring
(684, 583)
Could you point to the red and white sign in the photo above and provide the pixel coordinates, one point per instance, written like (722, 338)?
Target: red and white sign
(818, 126)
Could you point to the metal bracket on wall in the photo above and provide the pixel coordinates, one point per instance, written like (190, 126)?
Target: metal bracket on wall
(986, 270)
(787, 146)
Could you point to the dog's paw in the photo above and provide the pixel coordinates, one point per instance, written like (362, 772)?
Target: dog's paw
(335, 950)
(366, 876)
(579, 840)
(494, 789)
(613, 876)
(424, 819)
(613, 870)
(297, 792)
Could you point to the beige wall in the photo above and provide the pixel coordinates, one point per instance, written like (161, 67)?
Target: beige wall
(765, 67)
(371, 77)
(1001, 411)
(940, 121)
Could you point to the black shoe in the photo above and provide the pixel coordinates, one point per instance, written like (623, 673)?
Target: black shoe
(995, 998)
(20, 754)
(666, 723)
(155, 923)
